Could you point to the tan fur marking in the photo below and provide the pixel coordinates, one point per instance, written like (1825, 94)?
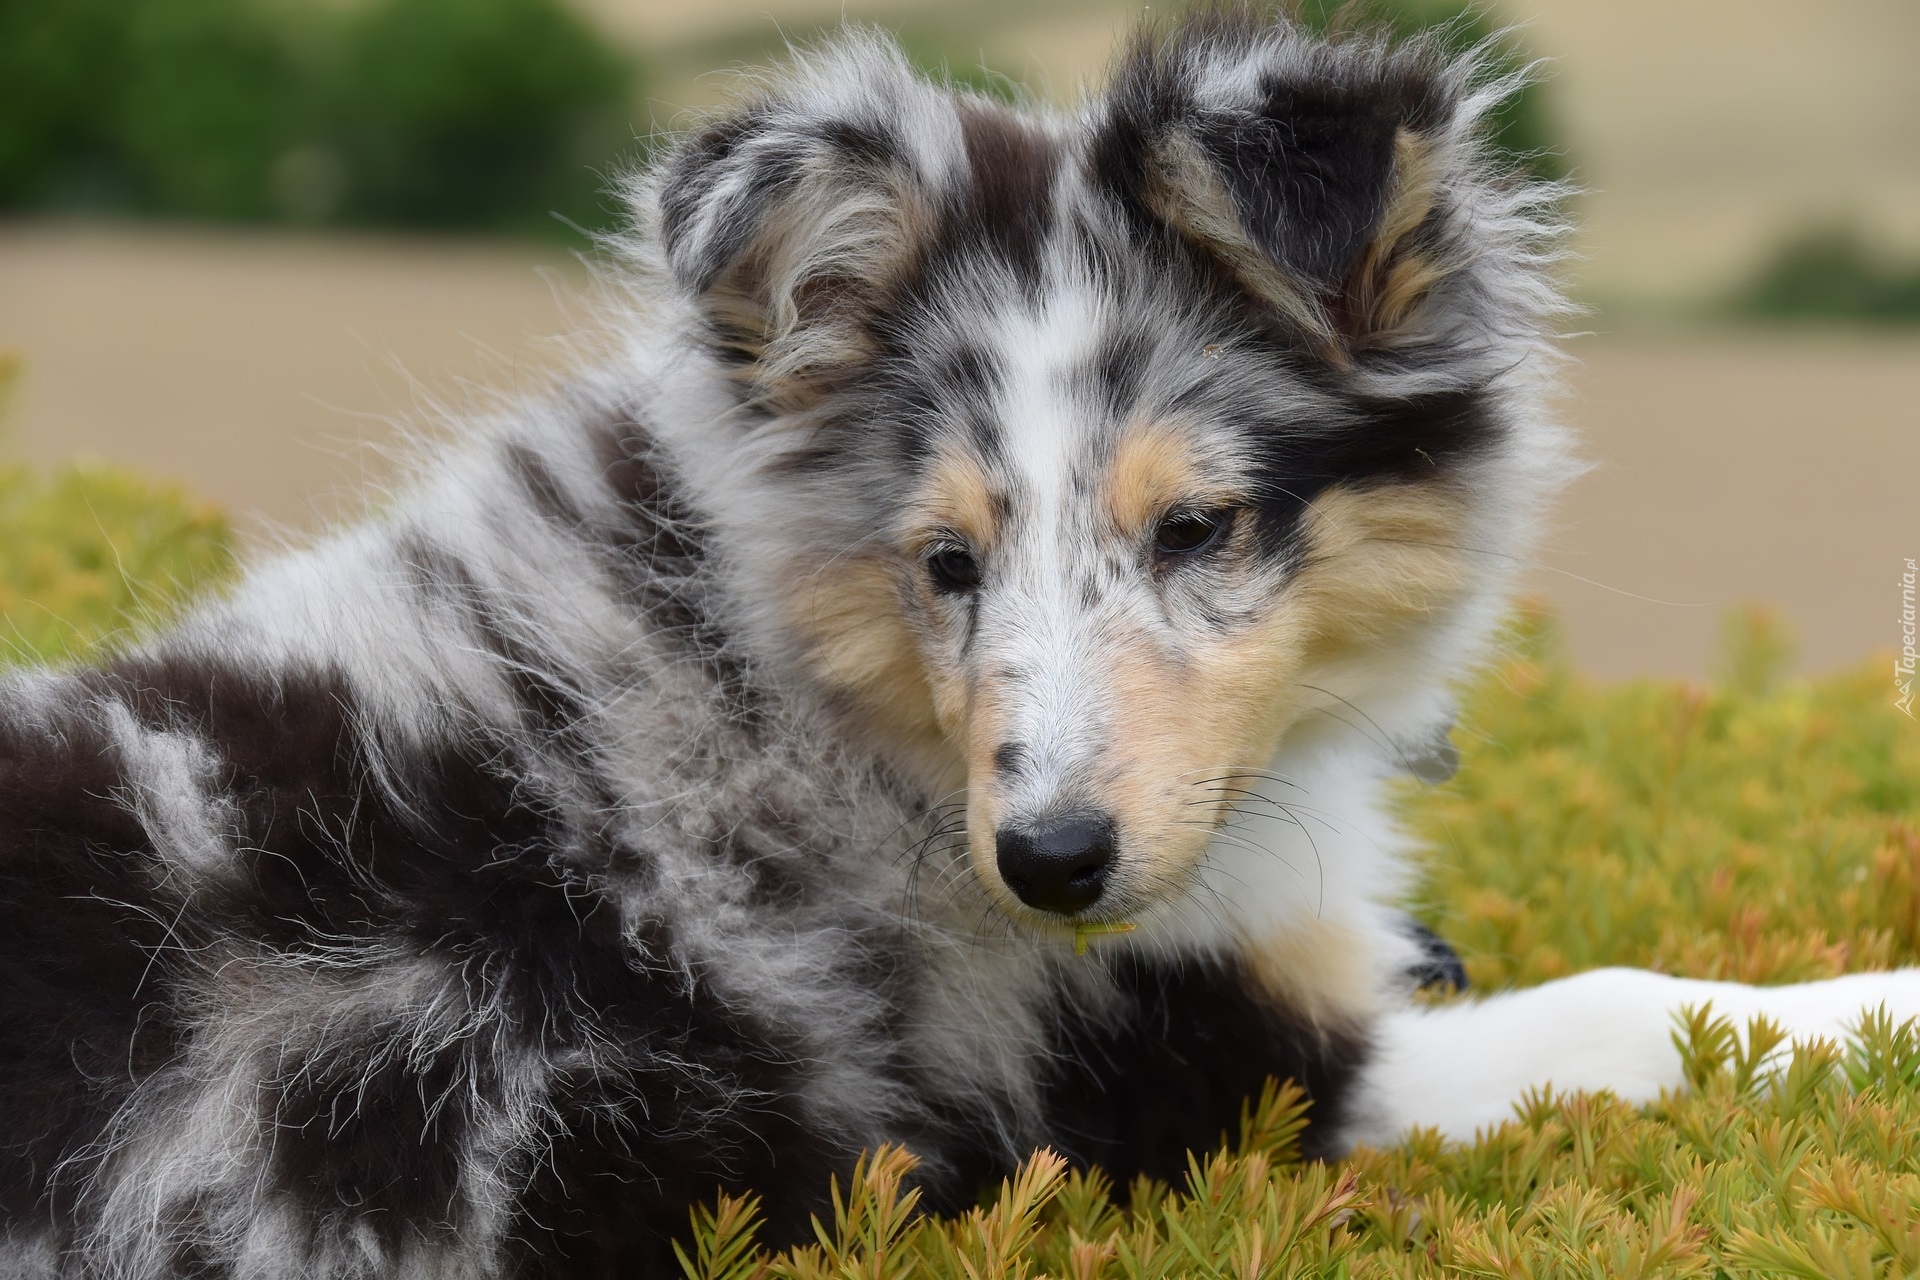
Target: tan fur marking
(957, 497)
(1152, 761)
(859, 642)
(1186, 722)
(857, 621)
(1392, 280)
(1151, 470)
(1379, 559)
(1320, 969)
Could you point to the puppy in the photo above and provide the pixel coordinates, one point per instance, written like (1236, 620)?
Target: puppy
(933, 682)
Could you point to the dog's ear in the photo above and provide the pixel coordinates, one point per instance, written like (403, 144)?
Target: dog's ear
(1333, 179)
(787, 219)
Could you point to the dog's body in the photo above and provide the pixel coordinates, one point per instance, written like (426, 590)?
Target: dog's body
(995, 532)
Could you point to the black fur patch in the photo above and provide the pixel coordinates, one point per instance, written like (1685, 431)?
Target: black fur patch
(639, 1136)
(549, 703)
(1191, 1044)
(660, 542)
(1381, 442)
(1118, 370)
(1440, 966)
(698, 169)
(457, 862)
(1309, 180)
(365, 1133)
(1308, 164)
(84, 1016)
(1009, 758)
(549, 496)
(1008, 200)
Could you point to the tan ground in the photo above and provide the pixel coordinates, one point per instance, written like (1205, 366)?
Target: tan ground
(1774, 468)
(253, 365)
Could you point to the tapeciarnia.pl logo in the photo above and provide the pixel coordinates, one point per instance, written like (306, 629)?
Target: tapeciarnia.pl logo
(1903, 664)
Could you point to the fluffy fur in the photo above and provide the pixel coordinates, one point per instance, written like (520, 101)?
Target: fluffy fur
(995, 533)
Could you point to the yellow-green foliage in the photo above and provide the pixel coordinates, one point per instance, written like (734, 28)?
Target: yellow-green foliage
(1804, 1171)
(89, 551)
(1760, 828)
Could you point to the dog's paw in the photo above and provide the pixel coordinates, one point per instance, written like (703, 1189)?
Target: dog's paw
(1439, 967)
(1461, 1067)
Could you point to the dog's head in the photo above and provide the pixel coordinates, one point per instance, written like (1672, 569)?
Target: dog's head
(1102, 439)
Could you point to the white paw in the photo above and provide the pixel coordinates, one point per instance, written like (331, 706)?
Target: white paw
(1460, 1068)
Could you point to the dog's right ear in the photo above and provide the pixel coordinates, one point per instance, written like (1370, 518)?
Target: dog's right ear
(1341, 182)
(788, 219)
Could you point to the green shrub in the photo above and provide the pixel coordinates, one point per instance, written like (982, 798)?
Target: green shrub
(209, 97)
(89, 554)
(1809, 1172)
(456, 113)
(58, 113)
(172, 106)
(474, 112)
(1763, 829)
(1832, 273)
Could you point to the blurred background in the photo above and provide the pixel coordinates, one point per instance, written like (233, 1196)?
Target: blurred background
(242, 240)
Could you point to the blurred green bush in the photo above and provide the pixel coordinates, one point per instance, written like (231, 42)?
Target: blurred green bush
(1831, 273)
(443, 113)
(475, 111)
(90, 553)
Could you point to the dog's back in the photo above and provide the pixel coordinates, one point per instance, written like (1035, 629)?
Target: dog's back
(364, 925)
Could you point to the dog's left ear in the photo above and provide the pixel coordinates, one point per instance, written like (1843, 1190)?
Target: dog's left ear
(1334, 180)
(787, 219)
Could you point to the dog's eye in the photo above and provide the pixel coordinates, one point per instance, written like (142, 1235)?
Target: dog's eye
(953, 569)
(1185, 533)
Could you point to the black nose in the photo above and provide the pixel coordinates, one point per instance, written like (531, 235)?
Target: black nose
(1059, 867)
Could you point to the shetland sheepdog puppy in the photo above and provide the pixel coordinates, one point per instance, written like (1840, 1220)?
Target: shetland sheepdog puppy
(933, 681)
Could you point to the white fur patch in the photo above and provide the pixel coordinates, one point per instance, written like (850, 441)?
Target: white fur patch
(1461, 1068)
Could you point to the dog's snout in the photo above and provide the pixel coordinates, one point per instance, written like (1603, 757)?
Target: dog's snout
(1060, 867)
